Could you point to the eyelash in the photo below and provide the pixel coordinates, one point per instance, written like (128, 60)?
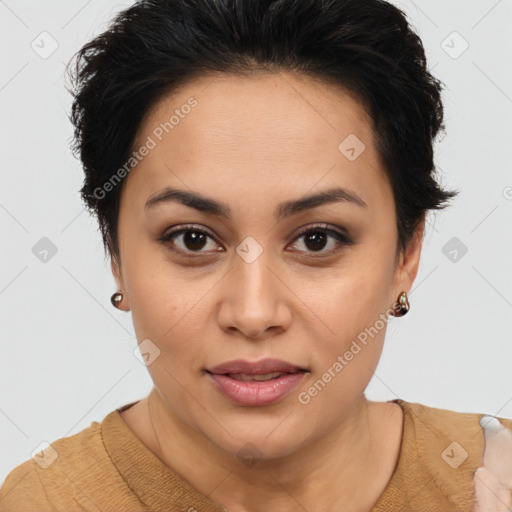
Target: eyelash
(342, 239)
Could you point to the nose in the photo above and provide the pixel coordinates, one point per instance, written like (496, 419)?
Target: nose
(254, 296)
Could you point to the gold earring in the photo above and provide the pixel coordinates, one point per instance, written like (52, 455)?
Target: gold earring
(401, 306)
(116, 299)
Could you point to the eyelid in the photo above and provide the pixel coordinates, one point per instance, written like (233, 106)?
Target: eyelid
(173, 232)
(337, 232)
(322, 226)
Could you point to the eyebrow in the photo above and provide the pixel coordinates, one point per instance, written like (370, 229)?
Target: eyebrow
(283, 210)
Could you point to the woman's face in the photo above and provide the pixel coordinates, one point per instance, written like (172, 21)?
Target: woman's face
(248, 285)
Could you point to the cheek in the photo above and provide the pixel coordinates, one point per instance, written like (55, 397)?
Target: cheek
(169, 311)
(351, 319)
(352, 298)
(347, 359)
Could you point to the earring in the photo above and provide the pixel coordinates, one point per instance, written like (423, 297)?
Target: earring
(402, 306)
(116, 299)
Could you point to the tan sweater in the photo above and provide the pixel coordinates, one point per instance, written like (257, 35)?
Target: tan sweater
(106, 467)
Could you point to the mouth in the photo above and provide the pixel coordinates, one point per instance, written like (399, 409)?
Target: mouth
(258, 377)
(256, 383)
(267, 368)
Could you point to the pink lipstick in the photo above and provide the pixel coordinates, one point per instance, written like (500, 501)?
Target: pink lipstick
(256, 383)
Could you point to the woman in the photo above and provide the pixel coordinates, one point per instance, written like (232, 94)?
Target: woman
(261, 172)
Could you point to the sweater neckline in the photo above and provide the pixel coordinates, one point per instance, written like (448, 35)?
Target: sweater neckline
(158, 487)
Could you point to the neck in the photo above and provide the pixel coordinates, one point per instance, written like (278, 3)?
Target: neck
(347, 469)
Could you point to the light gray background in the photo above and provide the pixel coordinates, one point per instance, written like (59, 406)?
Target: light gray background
(67, 355)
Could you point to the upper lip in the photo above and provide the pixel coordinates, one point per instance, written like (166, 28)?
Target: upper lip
(255, 367)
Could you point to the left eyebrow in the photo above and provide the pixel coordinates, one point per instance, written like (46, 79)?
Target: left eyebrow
(283, 210)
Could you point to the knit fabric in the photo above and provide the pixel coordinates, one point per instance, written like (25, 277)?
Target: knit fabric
(106, 467)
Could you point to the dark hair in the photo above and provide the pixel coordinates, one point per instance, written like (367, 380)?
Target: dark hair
(150, 49)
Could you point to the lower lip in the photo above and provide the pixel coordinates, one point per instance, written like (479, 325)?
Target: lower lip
(257, 392)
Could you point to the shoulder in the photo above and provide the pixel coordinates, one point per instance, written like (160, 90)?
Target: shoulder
(450, 446)
(446, 418)
(23, 490)
(463, 431)
(63, 476)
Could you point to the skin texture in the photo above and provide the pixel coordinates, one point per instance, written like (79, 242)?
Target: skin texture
(254, 142)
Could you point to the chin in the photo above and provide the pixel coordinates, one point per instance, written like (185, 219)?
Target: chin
(258, 440)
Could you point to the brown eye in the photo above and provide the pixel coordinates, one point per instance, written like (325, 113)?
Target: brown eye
(316, 238)
(191, 239)
(194, 240)
(188, 239)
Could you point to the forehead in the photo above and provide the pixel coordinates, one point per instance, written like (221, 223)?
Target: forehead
(263, 130)
(258, 108)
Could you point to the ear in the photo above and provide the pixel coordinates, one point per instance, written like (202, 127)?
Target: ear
(117, 273)
(407, 268)
(118, 276)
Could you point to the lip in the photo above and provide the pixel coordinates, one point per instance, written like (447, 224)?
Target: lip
(256, 393)
(255, 367)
